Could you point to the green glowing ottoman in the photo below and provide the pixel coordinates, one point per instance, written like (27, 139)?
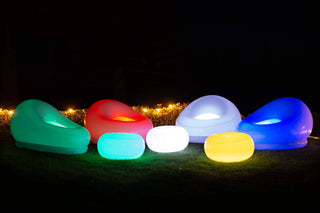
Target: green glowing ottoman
(120, 146)
(39, 126)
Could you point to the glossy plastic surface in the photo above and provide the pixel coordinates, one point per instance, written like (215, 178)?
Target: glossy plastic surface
(284, 123)
(121, 146)
(229, 147)
(166, 139)
(39, 126)
(208, 115)
(108, 116)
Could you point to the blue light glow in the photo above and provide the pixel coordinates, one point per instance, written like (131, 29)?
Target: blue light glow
(284, 123)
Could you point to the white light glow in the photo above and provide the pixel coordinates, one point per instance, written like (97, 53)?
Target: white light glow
(55, 123)
(167, 139)
(268, 121)
(207, 116)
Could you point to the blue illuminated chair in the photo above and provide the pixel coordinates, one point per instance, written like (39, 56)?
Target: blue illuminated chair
(208, 115)
(284, 123)
(39, 126)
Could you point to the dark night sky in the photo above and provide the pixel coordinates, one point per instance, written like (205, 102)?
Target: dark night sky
(78, 52)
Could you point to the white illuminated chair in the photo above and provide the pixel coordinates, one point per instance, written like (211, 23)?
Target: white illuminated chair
(208, 115)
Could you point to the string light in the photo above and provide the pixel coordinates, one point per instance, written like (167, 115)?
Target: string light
(6, 112)
(70, 110)
(159, 115)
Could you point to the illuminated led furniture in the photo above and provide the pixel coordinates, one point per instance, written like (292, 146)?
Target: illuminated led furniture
(167, 139)
(229, 147)
(284, 123)
(120, 146)
(113, 116)
(39, 126)
(208, 115)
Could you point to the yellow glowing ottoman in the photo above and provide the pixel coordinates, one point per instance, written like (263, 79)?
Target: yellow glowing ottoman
(229, 147)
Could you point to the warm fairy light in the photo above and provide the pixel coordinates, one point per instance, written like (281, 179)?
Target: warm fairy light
(159, 115)
(6, 112)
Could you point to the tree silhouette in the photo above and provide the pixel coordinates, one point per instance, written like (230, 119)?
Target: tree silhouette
(9, 88)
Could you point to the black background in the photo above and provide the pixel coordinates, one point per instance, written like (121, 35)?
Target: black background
(73, 53)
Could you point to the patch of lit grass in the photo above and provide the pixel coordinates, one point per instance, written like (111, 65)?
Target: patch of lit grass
(188, 175)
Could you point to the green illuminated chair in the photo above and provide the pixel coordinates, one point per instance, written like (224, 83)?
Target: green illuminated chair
(39, 126)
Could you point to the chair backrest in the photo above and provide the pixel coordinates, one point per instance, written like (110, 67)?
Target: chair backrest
(43, 113)
(285, 109)
(209, 109)
(111, 109)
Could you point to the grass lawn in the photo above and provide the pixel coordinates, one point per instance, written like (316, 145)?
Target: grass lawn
(188, 178)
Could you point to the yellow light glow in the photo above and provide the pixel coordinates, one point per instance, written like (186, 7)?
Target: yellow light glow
(145, 109)
(170, 106)
(70, 110)
(11, 112)
(123, 118)
(229, 147)
(158, 109)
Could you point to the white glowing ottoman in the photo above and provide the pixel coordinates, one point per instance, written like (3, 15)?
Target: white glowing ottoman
(167, 139)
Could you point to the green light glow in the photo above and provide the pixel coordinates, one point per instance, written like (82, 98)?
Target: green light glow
(121, 146)
(39, 126)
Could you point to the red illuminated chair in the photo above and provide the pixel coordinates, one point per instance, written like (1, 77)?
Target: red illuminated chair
(108, 116)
